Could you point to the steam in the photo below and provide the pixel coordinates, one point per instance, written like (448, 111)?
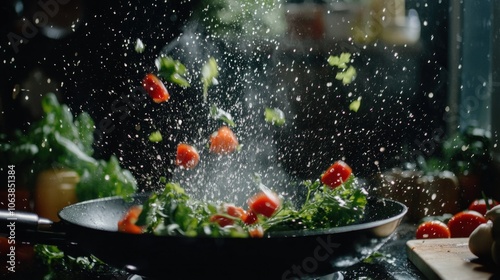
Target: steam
(244, 91)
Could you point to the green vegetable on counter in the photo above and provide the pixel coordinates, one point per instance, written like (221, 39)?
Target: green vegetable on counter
(58, 140)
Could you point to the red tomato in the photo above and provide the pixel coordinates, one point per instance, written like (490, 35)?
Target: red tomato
(464, 223)
(249, 218)
(256, 232)
(479, 205)
(264, 203)
(235, 211)
(127, 223)
(155, 88)
(336, 174)
(221, 220)
(223, 141)
(433, 229)
(187, 156)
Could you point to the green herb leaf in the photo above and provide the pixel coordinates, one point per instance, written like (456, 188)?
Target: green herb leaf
(209, 74)
(139, 46)
(346, 76)
(340, 61)
(354, 106)
(172, 71)
(155, 137)
(222, 115)
(274, 116)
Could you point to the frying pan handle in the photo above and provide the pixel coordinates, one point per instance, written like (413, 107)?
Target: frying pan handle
(29, 227)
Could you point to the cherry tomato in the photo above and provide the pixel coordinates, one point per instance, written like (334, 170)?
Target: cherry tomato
(235, 211)
(221, 220)
(250, 217)
(432, 229)
(127, 223)
(155, 88)
(187, 156)
(264, 203)
(256, 232)
(336, 174)
(464, 223)
(480, 206)
(223, 141)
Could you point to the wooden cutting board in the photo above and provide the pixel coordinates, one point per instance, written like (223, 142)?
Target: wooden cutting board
(445, 259)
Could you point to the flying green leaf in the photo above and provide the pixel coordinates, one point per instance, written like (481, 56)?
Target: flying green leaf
(340, 61)
(172, 70)
(354, 106)
(274, 116)
(139, 46)
(222, 115)
(209, 74)
(346, 76)
(155, 137)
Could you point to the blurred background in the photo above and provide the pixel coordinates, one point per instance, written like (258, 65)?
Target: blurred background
(425, 81)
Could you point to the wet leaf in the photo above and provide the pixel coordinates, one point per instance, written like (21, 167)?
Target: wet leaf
(139, 46)
(172, 70)
(274, 116)
(354, 106)
(219, 114)
(155, 137)
(209, 74)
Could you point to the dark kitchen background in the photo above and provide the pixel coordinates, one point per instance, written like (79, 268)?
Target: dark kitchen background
(90, 63)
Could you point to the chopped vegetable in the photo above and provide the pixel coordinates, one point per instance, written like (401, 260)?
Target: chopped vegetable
(155, 137)
(336, 174)
(274, 116)
(354, 106)
(432, 229)
(139, 46)
(223, 141)
(346, 76)
(172, 71)
(173, 212)
(340, 61)
(347, 73)
(265, 203)
(187, 156)
(209, 74)
(222, 115)
(127, 223)
(155, 88)
(324, 207)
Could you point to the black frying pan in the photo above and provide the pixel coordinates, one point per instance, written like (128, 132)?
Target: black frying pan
(92, 226)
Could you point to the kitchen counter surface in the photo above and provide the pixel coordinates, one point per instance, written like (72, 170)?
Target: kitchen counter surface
(390, 262)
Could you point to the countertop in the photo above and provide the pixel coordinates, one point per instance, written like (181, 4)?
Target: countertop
(390, 262)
